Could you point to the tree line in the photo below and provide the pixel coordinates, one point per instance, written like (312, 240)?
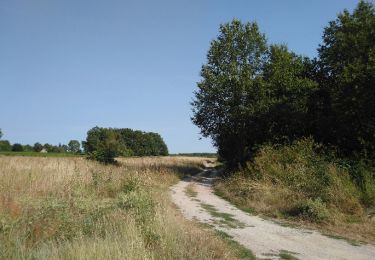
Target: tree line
(73, 146)
(252, 92)
(104, 144)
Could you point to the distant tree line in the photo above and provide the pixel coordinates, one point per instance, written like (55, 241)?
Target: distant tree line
(104, 144)
(252, 93)
(73, 146)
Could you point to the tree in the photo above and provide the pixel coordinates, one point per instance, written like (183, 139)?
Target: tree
(285, 107)
(230, 87)
(102, 144)
(38, 147)
(27, 148)
(347, 62)
(251, 93)
(1, 134)
(17, 147)
(5, 146)
(74, 146)
(48, 147)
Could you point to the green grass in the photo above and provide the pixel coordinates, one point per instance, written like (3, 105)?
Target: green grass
(225, 219)
(287, 255)
(240, 251)
(350, 241)
(36, 154)
(246, 209)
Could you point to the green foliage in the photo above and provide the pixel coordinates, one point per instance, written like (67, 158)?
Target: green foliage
(230, 87)
(251, 93)
(5, 146)
(300, 168)
(74, 146)
(28, 148)
(104, 144)
(302, 180)
(38, 147)
(17, 147)
(314, 210)
(346, 74)
(1, 134)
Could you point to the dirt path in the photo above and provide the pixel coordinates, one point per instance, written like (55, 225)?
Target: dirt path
(266, 239)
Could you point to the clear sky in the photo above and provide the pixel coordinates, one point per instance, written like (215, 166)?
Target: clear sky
(69, 65)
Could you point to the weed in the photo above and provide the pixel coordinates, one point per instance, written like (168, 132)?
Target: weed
(287, 255)
(225, 219)
(240, 251)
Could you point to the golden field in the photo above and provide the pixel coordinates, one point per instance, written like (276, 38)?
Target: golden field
(72, 208)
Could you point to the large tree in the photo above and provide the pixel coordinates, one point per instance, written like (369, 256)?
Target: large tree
(283, 117)
(250, 93)
(347, 60)
(230, 86)
(1, 134)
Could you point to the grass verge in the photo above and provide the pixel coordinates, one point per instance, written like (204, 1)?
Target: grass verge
(306, 188)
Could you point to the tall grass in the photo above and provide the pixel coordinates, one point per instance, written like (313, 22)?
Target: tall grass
(71, 208)
(298, 183)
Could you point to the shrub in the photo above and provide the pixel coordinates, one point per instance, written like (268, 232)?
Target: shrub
(314, 210)
(301, 180)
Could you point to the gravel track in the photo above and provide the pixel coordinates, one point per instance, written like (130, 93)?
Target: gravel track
(265, 238)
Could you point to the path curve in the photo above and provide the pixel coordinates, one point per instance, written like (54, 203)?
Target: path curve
(266, 239)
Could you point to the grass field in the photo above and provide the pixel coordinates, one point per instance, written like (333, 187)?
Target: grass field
(72, 208)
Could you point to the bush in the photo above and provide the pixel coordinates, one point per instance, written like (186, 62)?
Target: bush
(314, 210)
(302, 180)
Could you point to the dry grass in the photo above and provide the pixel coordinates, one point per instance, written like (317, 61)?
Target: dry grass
(304, 188)
(271, 200)
(71, 208)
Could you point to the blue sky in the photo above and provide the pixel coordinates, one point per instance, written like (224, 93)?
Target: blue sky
(69, 65)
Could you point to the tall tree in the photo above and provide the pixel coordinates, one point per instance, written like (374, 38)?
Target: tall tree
(347, 58)
(234, 61)
(283, 117)
(1, 134)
